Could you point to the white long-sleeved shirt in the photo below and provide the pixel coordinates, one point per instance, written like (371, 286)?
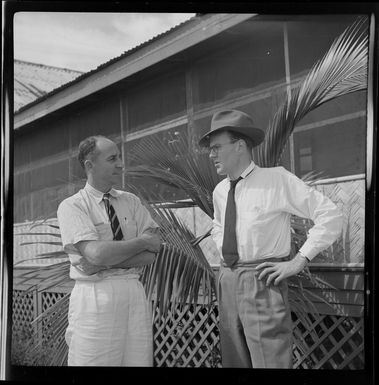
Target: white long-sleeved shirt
(83, 217)
(265, 199)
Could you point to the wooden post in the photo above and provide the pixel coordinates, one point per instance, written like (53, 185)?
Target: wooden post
(288, 85)
(39, 310)
(189, 108)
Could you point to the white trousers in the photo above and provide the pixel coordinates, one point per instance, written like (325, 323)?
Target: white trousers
(110, 324)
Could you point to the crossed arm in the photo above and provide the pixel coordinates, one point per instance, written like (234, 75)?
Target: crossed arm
(103, 255)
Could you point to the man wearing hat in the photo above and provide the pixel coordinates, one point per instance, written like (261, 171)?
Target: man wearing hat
(251, 228)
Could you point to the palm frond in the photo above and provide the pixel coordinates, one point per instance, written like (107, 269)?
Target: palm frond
(180, 269)
(50, 255)
(342, 70)
(57, 235)
(43, 278)
(174, 165)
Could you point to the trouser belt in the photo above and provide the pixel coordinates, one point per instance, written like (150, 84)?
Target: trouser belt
(256, 262)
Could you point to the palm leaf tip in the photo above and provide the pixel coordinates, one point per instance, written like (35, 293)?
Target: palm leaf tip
(341, 71)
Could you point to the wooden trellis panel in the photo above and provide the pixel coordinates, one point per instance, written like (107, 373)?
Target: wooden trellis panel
(187, 337)
(49, 299)
(350, 198)
(24, 310)
(333, 342)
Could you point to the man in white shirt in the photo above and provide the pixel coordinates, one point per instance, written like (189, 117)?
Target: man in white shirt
(252, 233)
(109, 236)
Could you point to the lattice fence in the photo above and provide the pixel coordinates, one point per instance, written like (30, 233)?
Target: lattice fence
(350, 198)
(189, 337)
(24, 310)
(49, 299)
(332, 342)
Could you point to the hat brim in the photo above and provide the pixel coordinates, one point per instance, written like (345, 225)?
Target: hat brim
(257, 135)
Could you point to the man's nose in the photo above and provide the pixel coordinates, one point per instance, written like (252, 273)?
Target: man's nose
(120, 164)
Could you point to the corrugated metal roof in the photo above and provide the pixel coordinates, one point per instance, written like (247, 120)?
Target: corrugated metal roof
(176, 40)
(102, 66)
(33, 81)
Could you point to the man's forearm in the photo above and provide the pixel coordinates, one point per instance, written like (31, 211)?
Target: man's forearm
(138, 260)
(110, 253)
(142, 259)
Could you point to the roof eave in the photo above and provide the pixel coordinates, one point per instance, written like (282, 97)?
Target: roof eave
(158, 50)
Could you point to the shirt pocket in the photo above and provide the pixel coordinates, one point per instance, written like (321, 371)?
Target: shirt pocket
(105, 231)
(252, 213)
(129, 229)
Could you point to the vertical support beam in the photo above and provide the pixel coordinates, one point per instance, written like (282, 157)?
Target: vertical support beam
(288, 86)
(35, 308)
(69, 152)
(370, 249)
(190, 123)
(189, 107)
(71, 184)
(31, 205)
(39, 312)
(123, 131)
(71, 188)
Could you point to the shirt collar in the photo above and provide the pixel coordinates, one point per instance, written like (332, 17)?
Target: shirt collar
(248, 170)
(98, 195)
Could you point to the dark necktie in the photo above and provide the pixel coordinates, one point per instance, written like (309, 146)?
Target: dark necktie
(115, 224)
(229, 244)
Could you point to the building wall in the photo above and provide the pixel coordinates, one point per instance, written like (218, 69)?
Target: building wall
(268, 57)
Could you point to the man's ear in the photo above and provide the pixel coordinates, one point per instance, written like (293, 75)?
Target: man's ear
(88, 165)
(241, 145)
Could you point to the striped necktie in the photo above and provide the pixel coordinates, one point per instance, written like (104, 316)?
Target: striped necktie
(115, 224)
(229, 244)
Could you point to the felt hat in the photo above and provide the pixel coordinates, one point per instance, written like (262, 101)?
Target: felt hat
(236, 121)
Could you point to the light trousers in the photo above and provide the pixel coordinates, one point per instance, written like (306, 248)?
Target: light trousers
(110, 323)
(255, 320)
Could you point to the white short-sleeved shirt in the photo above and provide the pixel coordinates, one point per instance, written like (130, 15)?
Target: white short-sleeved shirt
(83, 217)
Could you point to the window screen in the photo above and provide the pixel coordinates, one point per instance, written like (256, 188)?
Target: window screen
(336, 150)
(101, 118)
(343, 105)
(256, 63)
(44, 203)
(46, 140)
(309, 37)
(50, 175)
(21, 150)
(77, 172)
(22, 208)
(161, 99)
(21, 183)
